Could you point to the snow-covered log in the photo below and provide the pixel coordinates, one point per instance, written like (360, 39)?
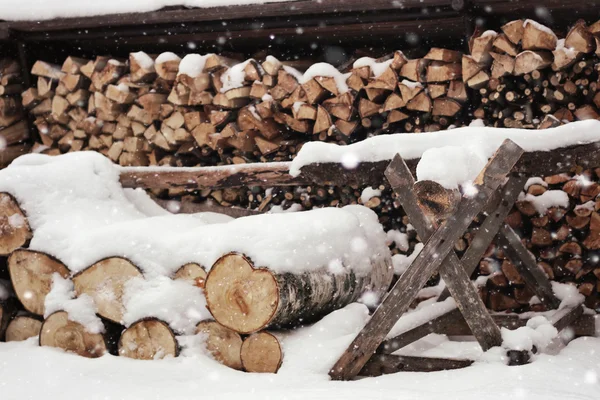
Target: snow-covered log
(148, 339)
(105, 283)
(247, 297)
(262, 352)
(31, 273)
(58, 331)
(14, 228)
(224, 344)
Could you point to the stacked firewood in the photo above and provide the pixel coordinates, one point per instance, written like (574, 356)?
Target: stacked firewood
(13, 126)
(525, 77)
(239, 296)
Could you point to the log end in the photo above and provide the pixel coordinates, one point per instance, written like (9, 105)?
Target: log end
(148, 339)
(22, 328)
(261, 352)
(193, 273)
(436, 200)
(58, 331)
(224, 344)
(239, 296)
(14, 228)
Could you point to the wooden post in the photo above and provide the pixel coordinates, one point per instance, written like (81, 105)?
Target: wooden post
(439, 245)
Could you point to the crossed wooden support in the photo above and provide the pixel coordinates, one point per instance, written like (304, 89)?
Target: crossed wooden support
(497, 191)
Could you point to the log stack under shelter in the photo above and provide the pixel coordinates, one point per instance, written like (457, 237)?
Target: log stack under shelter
(14, 129)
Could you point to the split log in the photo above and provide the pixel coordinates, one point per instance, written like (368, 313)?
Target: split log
(31, 275)
(247, 299)
(224, 344)
(58, 331)
(261, 352)
(105, 282)
(14, 228)
(23, 327)
(148, 339)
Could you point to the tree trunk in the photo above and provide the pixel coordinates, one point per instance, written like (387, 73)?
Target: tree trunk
(248, 299)
(31, 275)
(224, 344)
(14, 228)
(261, 352)
(107, 276)
(148, 339)
(58, 331)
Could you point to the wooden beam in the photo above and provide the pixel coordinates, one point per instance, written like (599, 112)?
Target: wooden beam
(428, 261)
(369, 173)
(188, 207)
(526, 265)
(451, 271)
(566, 317)
(381, 364)
(499, 208)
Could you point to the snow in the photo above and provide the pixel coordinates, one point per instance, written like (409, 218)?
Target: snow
(535, 181)
(368, 193)
(460, 164)
(81, 309)
(81, 214)
(177, 302)
(399, 238)
(144, 60)
(425, 311)
(538, 332)
(166, 56)
(34, 10)
(485, 139)
(377, 68)
(401, 262)
(569, 51)
(411, 84)
(326, 70)
(548, 199)
(568, 295)
(489, 33)
(192, 65)
(234, 77)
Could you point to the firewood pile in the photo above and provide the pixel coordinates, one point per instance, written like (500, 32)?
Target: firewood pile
(212, 110)
(13, 126)
(247, 301)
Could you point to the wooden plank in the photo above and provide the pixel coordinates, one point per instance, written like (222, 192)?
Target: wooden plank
(368, 173)
(453, 324)
(526, 264)
(436, 325)
(451, 271)
(381, 364)
(484, 235)
(431, 256)
(182, 15)
(565, 317)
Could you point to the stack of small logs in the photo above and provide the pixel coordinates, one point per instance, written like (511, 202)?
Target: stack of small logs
(525, 77)
(146, 111)
(243, 299)
(14, 130)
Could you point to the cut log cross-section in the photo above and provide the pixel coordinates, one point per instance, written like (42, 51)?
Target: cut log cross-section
(247, 299)
(224, 344)
(105, 282)
(261, 352)
(58, 331)
(31, 274)
(23, 327)
(14, 228)
(193, 273)
(148, 339)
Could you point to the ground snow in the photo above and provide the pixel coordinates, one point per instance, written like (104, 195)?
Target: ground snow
(485, 139)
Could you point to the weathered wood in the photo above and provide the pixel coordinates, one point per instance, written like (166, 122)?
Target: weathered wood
(565, 317)
(538, 163)
(496, 214)
(452, 272)
(382, 364)
(526, 264)
(429, 259)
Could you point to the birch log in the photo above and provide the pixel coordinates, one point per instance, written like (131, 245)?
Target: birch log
(261, 352)
(148, 339)
(58, 331)
(247, 299)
